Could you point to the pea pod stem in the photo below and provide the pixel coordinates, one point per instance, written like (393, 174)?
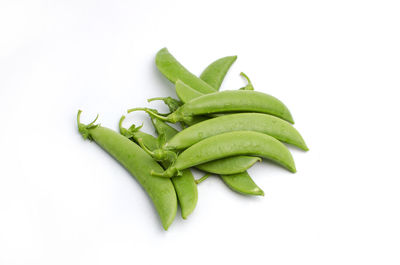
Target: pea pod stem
(128, 132)
(173, 70)
(156, 98)
(158, 154)
(258, 122)
(150, 112)
(143, 146)
(203, 178)
(249, 85)
(84, 128)
(246, 77)
(173, 104)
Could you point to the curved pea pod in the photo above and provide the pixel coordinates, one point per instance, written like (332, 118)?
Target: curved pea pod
(232, 144)
(257, 122)
(225, 102)
(215, 73)
(185, 186)
(139, 164)
(242, 183)
(229, 165)
(173, 70)
(235, 101)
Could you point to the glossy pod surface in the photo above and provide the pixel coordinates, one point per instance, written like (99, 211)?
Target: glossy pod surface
(233, 144)
(258, 122)
(236, 101)
(139, 164)
(173, 70)
(229, 165)
(242, 183)
(215, 73)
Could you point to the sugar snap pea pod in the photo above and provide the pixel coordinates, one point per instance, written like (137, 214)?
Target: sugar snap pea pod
(185, 186)
(215, 73)
(186, 190)
(232, 144)
(258, 122)
(242, 183)
(228, 165)
(173, 70)
(139, 164)
(228, 101)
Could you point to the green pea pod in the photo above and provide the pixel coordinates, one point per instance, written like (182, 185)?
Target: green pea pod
(227, 101)
(215, 73)
(242, 183)
(185, 186)
(139, 164)
(173, 70)
(229, 165)
(258, 122)
(232, 144)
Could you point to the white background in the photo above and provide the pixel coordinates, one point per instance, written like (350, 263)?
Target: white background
(335, 64)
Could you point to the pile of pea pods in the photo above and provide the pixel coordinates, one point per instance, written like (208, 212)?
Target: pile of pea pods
(223, 133)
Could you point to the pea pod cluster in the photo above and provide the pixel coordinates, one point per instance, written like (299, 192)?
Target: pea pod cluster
(223, 133)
